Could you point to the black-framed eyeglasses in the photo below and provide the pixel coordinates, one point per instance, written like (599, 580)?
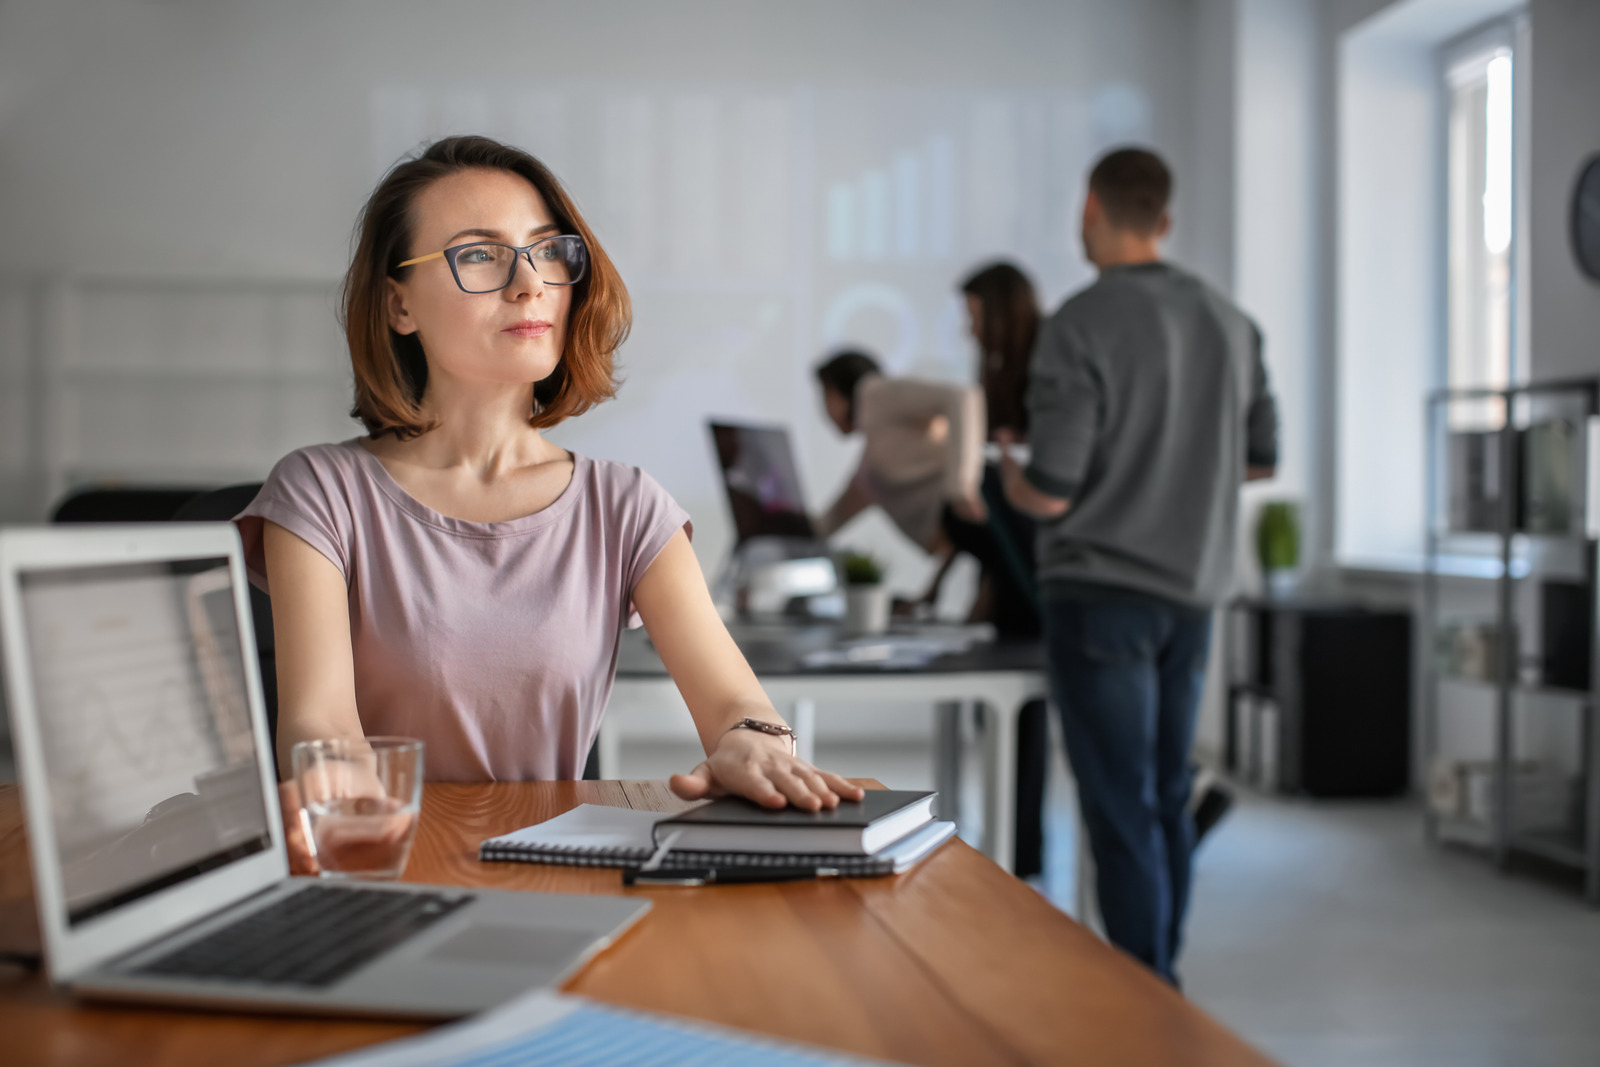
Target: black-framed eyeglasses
(489, 266)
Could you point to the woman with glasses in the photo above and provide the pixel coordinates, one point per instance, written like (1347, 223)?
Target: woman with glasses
(452, 575)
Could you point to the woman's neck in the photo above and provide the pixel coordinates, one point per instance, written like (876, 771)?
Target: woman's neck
(479, 427)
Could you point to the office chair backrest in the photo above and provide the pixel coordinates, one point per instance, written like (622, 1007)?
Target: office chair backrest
(221, 505)
(123, 505)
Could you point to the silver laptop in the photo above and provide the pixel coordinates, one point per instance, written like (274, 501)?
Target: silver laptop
(152, 811)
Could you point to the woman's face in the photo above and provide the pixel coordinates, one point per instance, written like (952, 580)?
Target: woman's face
(514, 336)
(975, 318)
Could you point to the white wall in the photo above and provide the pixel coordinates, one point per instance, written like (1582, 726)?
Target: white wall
(1256, 97)
(166, 144)
(1564, 334)
(1277, 188)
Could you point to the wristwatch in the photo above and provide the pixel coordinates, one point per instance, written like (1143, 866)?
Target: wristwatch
(776, 729)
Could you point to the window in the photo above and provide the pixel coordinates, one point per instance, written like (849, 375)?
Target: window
(1428, 232)
(1480, 348)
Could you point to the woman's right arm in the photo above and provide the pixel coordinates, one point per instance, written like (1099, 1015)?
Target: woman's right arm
(316, 669)
(311, 625)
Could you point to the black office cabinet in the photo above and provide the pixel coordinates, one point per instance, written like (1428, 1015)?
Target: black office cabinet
(1335, 682)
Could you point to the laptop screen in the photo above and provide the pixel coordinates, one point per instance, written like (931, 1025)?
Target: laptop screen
(144, 718)
(763, 485)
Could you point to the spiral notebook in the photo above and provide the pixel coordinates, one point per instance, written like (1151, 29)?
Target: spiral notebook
(593, 835)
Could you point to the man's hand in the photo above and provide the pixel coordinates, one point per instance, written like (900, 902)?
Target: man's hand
(1022, 495)
(758, 766)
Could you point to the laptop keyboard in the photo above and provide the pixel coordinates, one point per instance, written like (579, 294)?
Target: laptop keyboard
(313, 937)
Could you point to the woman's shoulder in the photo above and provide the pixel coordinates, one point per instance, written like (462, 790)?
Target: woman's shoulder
(622, 489)
(326, 473)
(615, 481)
(337, 460)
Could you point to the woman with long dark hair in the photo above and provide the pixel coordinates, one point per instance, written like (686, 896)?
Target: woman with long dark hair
(1003, 318)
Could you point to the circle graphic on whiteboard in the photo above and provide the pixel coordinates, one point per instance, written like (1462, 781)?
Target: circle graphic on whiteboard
(899, 352)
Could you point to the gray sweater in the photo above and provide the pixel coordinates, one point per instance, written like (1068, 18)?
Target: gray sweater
(1147, 400)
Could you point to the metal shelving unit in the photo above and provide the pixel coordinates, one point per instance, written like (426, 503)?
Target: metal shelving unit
(1481, 502)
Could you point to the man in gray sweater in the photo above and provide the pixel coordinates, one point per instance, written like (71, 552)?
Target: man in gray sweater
(1148, 406)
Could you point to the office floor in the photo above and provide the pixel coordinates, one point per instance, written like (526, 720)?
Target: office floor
(1328, 933)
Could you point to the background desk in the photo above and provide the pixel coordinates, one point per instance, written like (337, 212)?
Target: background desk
(955, 962)
(1001, 676)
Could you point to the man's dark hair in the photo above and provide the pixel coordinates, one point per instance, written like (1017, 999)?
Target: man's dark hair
(1133, 186)
(843, 371)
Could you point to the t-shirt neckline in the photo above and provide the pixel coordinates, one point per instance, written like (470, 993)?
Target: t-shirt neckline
(391, 488)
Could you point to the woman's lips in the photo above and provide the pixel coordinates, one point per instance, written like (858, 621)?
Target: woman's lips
(529, 328)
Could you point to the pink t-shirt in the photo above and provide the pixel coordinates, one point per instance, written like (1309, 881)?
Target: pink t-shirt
(493, 642)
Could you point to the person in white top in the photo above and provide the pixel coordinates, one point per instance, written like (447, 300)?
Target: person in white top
(924, 448)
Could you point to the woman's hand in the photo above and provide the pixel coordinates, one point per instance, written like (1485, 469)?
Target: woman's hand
(301, 861)
(759, 767)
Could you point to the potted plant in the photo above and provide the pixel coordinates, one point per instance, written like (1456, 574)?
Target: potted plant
(866, 598)
(1278, 546)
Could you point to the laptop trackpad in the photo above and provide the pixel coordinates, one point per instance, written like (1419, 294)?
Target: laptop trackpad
(513, 946)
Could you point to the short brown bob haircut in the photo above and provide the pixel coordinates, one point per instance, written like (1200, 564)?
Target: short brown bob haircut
(1134, 186)
(391, 370)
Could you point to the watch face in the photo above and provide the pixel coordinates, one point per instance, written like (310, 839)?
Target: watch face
(1586, 219)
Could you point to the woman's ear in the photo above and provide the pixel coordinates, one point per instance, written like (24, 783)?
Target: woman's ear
(394, 306)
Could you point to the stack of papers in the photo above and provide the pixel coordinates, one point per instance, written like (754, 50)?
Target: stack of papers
(545, 1028)
(891, 651)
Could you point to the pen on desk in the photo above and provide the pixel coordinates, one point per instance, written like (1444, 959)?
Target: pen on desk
(693, 876)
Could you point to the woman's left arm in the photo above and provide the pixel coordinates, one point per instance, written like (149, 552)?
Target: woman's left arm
(720, 689)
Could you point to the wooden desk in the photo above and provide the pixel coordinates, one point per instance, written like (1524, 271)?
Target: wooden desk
(955, 962)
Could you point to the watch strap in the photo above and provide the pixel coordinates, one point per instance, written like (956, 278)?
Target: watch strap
(772, 728)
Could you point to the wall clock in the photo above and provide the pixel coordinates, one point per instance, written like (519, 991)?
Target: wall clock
(1586, 219)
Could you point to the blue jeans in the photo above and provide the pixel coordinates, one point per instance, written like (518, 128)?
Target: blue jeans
(1126, 673)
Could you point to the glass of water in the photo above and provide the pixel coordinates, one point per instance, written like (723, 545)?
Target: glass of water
(360, 799)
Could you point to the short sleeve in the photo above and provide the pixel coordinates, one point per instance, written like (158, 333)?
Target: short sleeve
(298, 496)
(1065, 396)
(655, 518)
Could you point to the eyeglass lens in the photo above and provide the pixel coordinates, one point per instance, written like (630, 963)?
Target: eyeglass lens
(488, 266)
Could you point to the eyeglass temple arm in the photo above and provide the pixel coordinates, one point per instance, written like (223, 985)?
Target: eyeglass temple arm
(420, 259)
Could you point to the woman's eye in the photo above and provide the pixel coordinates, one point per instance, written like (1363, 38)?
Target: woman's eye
(547, 252)
(474, 255)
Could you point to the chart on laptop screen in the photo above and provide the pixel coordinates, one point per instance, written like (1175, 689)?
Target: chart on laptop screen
(138, 677)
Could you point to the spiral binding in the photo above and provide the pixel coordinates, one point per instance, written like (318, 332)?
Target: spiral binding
(624, 856)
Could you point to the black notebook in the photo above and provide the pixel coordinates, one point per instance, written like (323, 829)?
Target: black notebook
(854, 828)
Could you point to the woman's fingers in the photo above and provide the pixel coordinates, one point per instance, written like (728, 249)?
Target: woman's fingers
(846, 789)
(818, 784)
(769, 778)
(301, 860)
(761, 787)
(796, 786)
